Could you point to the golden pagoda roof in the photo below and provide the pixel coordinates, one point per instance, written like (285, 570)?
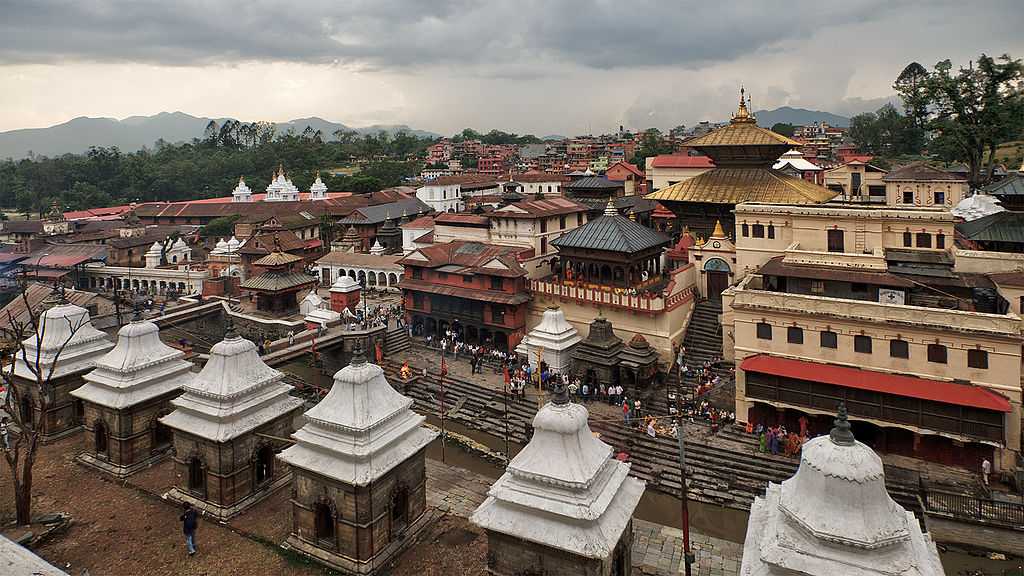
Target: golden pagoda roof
(746, 184)
(741, 134)
(277, 258)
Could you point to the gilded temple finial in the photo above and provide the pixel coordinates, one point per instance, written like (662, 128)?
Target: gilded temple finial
(742, 114)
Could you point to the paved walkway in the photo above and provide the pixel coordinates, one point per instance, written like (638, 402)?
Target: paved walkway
(657, 549)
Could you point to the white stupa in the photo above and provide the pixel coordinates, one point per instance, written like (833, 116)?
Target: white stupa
(361, 430)
(68, 326)
(377, 249)
(233, 245)
(835, 517)
(563, 490)
(152, 255)
(977, 205)
(555, 336)
(311, 302)
(220, 248)
(318, 191)
(241, 193)
(139, 368)
(234, 393)
(281, 188)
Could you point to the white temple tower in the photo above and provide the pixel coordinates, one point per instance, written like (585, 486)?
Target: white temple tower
(64, 348)
(224, 429)
(555, 337)
(318, 191)
(241, 193)
(834, 517)
(564, 505)
(130, 388)
(358, 473)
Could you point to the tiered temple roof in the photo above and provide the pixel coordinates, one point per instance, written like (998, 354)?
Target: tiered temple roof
(743, 154)
(639, 355)
(835, 517)
(601, 346)
(612, 233)
(66, 343)
(139, 368)
(234, 393)
(563, 489)
(362, 429)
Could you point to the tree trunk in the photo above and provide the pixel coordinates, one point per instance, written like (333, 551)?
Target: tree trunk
(23, 494)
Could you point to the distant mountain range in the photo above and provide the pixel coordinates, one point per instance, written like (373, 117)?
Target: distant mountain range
(799, 117)
(135, 132)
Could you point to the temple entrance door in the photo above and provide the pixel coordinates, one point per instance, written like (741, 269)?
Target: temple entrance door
(196, 476)
(264, 464)
(162, 436)
(399, 510)
(717, 281)
(101, 439)
(324, 524)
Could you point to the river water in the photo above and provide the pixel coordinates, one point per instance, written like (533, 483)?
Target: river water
(655, 506)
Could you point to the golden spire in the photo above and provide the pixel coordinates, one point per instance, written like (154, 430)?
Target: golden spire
(742, 115)
(719, 232)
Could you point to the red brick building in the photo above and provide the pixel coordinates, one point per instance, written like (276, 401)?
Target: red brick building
(476, 289)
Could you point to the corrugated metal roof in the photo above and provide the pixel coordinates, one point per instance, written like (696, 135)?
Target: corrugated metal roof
(1011, 186)
(612, 234)
(274, 281)
(919, 171)
(377, 214)
(589, 182)
(1004, 226)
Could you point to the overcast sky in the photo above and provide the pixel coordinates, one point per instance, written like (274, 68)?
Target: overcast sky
(529, 66)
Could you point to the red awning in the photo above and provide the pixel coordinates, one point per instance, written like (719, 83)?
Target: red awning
(909, 386)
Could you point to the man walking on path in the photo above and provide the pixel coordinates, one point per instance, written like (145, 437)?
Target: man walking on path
(188, 526)
(986, 469)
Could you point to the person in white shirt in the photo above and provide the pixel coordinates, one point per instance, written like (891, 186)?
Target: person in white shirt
(986, 469)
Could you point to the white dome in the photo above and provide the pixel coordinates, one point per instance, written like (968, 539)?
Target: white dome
(233, 243)
(344, 283)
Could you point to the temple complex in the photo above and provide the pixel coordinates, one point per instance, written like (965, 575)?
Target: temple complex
(358, 473)
(227, 427)
(564, 505)
(596, 358)
(551, 342)
(125, 395)
(281, 276)
(743, 155)
(65, 347)
(835, 517)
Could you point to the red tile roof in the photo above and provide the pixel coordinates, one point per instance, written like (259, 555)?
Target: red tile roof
(472, 257)
(896, 384)
(682, 161)
(462, 219)
(628, 167)
(538, 208)
(421, 223)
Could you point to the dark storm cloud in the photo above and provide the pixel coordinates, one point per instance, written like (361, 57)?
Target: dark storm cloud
(401, 34)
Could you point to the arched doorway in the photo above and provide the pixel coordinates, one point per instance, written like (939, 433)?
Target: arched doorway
(100, 438)
(161, 436)
(196, 476)
(323, 524)
(399, 509)
(264, 464)
(717, 271)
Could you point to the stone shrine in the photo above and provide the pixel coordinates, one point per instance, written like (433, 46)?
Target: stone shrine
(564, 506)
(130, 388)
(596, 359)
(835, 517)
(226, 429)
(65, 346)
(638, 367)
(358, 473)
(555, 338)
(345, 294)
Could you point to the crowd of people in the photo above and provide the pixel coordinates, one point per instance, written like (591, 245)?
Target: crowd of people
(778, 440)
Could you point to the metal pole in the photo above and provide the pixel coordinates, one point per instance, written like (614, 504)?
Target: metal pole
(687, 554)
(442, 403)
(508, 455)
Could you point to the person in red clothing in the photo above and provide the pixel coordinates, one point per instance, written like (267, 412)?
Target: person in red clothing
(625, 410)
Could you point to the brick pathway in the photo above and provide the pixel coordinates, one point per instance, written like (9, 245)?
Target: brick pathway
(657, 549)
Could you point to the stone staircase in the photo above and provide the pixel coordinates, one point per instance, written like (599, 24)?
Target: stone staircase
(396, 341)
(703, 338)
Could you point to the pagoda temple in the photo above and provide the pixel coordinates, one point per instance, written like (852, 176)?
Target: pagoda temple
(65, 346)
(564, 505)
(744, 154)
(638, 366)
(226, 429)
(390, 236)
(358, 473)
(554, 339)
(596, 358)
(612, 251)
(130, 388)
(281, 278)
(834, 517)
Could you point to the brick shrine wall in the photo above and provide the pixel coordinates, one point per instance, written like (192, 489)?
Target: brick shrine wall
(130, 431)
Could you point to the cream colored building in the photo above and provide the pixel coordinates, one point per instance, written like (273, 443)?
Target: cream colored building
(857, 181)
(534, 224)
(919, 184)
(922, 343)
(668, 169)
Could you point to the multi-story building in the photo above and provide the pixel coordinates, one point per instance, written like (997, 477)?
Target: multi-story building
(857, 181)
(668, 169)
(541, 183)
(874, 307)
(919, 184)
(631, 177)
(444, 194)
(534, 224)
(476, 289)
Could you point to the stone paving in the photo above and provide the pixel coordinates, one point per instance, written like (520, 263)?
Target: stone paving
(657, 549)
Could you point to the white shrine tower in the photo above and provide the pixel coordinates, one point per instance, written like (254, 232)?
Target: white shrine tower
(555, 337)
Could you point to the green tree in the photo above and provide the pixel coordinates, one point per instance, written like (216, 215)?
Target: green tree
(970, 111)
(886, 133)
(784, 128)
(220, 227)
